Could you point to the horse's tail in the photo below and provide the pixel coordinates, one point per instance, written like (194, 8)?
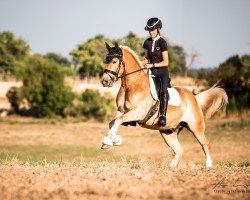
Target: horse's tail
(211, 100)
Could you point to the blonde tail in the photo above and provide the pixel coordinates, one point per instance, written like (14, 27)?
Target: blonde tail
(211, 100)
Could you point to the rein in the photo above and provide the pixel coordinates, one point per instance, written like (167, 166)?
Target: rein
(124, 75)
(119, 55)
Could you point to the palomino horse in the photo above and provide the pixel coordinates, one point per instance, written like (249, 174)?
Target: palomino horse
(134, 100)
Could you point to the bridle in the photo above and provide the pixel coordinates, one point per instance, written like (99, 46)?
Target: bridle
(109, 58)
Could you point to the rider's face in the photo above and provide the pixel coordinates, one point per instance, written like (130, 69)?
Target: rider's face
(153, 33)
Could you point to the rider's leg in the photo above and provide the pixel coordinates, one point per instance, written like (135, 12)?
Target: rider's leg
(163, 108)
(163, 74)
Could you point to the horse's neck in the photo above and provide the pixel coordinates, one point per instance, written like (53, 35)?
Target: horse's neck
(132, 65)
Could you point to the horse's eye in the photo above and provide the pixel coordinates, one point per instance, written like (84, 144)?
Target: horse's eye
(114, 61)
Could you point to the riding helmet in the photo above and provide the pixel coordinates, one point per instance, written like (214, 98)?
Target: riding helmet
(153, 23)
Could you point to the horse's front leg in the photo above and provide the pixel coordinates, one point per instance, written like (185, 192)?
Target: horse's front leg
(112, 138)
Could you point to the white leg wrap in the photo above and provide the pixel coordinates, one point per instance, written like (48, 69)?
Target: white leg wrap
(113, 130)
(107, 140)
(112, 138)
(209, 162)
(117, 140)
(173, 163)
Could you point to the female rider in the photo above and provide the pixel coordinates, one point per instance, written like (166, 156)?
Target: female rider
(156, 58)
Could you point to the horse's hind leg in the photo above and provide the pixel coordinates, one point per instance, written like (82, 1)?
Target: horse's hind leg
(172, 141)
(198, 130)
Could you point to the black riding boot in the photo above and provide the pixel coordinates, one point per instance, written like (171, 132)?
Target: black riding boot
(163, 108)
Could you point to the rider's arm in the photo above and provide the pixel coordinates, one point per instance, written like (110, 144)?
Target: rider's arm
(165, 61)
(145, 59)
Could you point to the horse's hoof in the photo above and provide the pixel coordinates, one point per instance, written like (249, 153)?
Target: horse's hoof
(105, 146)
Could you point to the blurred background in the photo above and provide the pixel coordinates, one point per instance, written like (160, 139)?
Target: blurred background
(53, 109)
(52, 51)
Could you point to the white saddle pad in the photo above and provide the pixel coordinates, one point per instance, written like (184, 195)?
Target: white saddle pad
(174, 100)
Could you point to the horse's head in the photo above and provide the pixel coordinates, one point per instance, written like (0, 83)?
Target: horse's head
(113, 60)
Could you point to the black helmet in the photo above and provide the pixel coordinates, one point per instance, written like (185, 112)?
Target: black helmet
(153, 23)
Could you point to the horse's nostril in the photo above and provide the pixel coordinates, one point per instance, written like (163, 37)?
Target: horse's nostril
(104, 81)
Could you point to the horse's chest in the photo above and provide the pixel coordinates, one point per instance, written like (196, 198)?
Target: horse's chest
(130, 100)
(127, 105)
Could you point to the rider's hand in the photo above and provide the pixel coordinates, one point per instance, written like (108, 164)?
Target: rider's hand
(148, 65)
(144, 62)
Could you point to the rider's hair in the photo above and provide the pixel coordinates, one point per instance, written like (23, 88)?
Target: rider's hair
(158, 31)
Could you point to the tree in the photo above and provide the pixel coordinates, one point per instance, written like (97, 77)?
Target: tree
(234, 76)
(12, 50)
(133, 42)
(88, 57)
(43, 86)
(97, 105)
(177, 60)
(58, 58)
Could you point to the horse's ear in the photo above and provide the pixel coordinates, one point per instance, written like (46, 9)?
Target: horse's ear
(117, 47)
(107, 46)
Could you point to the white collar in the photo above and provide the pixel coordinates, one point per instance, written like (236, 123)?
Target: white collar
(156, 38)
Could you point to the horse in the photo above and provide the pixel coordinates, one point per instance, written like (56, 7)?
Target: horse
(134, 100)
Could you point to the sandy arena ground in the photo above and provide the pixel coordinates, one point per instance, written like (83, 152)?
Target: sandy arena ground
(56, 160)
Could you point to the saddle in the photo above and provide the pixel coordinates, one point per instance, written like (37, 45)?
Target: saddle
(155, 89)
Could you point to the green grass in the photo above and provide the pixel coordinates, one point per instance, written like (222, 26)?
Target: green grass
(55, 154)
(244, 164)
(235, 164)
(229, 164)
(40, 121)
(237, 124)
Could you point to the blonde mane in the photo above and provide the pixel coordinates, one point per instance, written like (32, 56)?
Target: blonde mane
(133, 54)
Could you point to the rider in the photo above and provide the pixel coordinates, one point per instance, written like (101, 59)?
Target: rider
(156, 58)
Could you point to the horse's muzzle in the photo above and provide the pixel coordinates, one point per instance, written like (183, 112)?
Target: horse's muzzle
(107, 82)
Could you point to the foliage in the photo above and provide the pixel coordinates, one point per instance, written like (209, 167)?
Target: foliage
(12, 50)
(43, 86)
(133, 42)
(63, 61)
(234, 76)
(203, 73)
(12, 96)
(88, 57)
(177, 60)
(97, 105)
